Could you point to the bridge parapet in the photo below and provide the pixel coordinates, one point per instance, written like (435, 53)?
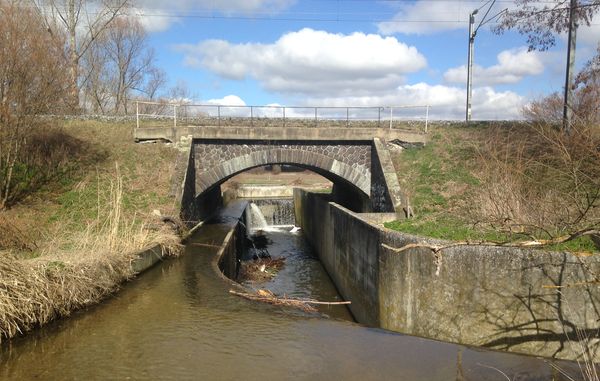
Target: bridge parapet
(171, 121)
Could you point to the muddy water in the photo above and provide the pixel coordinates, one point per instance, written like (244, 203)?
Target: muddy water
(303, 275)
(178, 322)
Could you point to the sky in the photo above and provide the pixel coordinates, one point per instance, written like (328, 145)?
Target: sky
(352, 53)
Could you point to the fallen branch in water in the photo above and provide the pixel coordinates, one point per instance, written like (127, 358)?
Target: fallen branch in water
(267, 296)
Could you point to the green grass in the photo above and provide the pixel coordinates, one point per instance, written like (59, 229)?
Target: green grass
(439, 179)
(430, 169)
(67, 203)
(445, 227)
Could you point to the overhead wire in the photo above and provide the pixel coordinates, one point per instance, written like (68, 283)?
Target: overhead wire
(208, 14)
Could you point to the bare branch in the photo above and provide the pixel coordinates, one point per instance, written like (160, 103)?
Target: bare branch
(518, 244)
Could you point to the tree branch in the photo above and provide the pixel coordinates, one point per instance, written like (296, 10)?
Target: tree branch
(520, 244)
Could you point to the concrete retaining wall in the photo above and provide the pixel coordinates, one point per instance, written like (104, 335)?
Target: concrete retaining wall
(147, 258)
(503, 298)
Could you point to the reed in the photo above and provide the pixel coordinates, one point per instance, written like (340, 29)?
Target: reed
(76, 271)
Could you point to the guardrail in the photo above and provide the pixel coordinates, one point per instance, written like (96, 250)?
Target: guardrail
(149, 114)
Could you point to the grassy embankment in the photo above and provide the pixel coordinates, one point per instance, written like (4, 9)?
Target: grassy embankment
(71, 242)
(457, 187)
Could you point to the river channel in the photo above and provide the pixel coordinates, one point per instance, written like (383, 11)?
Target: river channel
(178, 321)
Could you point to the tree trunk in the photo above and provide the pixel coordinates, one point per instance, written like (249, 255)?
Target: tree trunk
(73, 57)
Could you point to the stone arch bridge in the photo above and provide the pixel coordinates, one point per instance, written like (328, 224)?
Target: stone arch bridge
(355, 160)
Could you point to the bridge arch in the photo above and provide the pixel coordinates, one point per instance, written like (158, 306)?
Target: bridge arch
(334, 170)
(361, 171)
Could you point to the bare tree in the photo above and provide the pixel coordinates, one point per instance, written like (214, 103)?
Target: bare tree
(541, 22)
(83, 21)
(119, 65)
(132, 60)
(95, 80)
(32, 82)
(157, 79)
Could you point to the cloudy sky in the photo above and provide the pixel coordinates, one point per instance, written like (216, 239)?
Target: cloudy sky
(350, 53)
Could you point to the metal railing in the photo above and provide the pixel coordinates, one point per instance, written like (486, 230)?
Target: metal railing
(159, 114)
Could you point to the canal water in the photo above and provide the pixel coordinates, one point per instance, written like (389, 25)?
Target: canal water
(178, 321)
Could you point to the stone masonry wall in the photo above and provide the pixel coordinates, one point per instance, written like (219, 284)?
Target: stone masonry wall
(218, 160)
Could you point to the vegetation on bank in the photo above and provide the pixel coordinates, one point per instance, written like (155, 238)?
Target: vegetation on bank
(70, 241)
(504, 182)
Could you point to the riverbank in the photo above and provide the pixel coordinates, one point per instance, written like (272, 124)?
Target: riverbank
(72, 242)
(502, 182)
(179, 321)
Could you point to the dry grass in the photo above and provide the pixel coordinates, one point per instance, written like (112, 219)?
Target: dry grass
(87, 229)
(35, 291)
(504, 182)
(539, 180)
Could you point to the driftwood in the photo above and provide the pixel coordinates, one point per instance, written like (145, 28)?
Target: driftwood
(518, 244)
(267, 296)
(535, 243)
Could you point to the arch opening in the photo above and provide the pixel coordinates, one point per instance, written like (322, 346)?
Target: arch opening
(208, 197)
(339, 189)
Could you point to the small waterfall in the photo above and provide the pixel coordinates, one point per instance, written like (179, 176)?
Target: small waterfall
(277, 212)
(254, 218)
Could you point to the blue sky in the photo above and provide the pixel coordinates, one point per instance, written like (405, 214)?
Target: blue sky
(350, 53)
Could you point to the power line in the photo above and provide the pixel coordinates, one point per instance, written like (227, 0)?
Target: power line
(330, 16)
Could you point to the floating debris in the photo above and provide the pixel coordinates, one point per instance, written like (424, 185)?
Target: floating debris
(261, 269)
(267, 296)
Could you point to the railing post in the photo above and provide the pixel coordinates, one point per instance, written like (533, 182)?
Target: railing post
(219, 116)
(175, 116)
(391, 116)
(252, 116)
(283, 108)
(316, 120)
(137, 114)
(347, 117)
(426, 117)
(378, 117)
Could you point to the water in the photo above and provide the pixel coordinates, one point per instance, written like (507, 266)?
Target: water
(277, 212)
(303, 275)
(255, 220)
(179, 322)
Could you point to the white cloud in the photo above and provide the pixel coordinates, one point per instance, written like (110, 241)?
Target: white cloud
(446, 102)
(513, 65)
(589, 34)
(312, 62)
(152, 22)
(426, 17)
(160, 15)
(228, 100)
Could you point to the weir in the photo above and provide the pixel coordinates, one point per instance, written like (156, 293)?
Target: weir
(277, 212)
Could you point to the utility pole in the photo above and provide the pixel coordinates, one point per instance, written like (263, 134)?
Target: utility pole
(571, 45)
(472, 33)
